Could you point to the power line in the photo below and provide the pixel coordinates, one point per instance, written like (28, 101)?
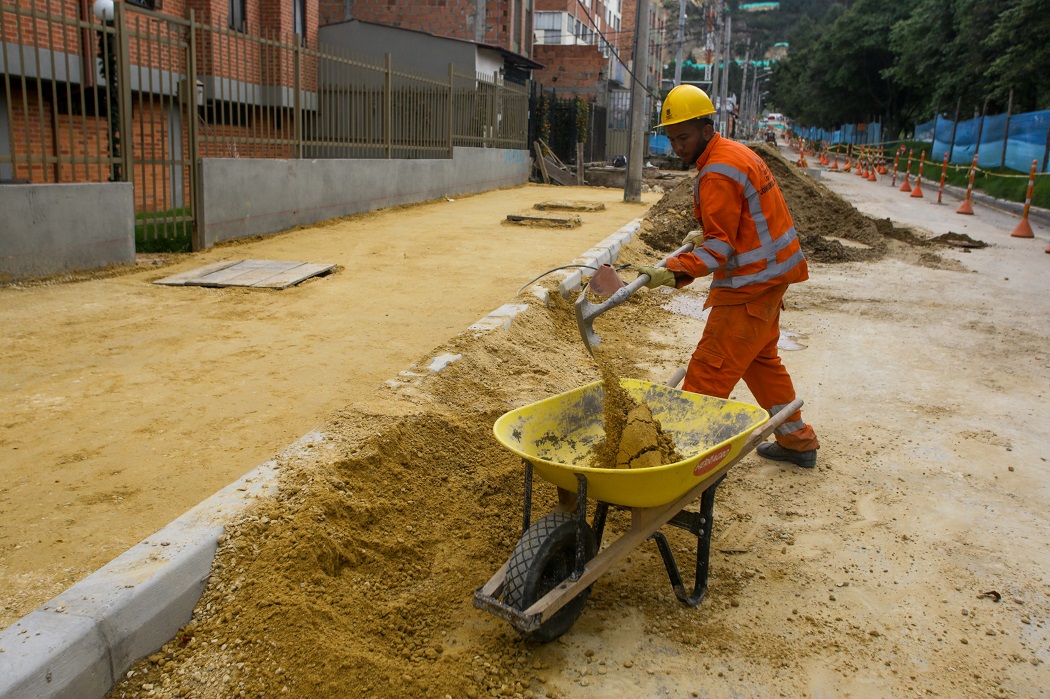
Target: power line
(615, 53)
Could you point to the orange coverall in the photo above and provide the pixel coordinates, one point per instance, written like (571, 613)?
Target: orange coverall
(752, 251)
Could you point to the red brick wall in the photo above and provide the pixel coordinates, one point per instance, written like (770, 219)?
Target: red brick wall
(452, 18)
(504, 20)
(332, 11)
(41, 130)
(575, 67)
(32, 134)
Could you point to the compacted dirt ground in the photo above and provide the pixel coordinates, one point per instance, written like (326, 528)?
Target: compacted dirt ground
(126, 403)
(910, 562)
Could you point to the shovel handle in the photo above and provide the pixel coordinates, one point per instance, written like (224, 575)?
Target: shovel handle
(626, 292)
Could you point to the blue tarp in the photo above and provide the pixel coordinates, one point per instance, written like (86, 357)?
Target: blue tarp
(659, 145)
(858, 134)
(1026, 141)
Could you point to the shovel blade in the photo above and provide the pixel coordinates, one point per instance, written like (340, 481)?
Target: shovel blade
(585, 315)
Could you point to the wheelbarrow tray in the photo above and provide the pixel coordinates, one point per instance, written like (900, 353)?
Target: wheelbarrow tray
(558, 436)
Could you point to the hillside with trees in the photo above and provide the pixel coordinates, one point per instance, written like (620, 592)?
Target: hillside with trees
(901, 62)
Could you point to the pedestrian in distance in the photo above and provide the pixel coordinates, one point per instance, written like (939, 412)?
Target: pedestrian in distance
(750, 248)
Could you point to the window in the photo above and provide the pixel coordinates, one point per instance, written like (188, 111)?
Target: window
(299, 19)
(548, 20)
(237, 15)
(148, 4)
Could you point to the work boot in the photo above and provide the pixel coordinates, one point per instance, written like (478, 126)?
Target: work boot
(772, 450)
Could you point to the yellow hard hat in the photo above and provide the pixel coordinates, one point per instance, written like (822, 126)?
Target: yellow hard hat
(686, 102)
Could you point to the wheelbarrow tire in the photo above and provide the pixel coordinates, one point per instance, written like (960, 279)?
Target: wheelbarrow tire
(544, 557)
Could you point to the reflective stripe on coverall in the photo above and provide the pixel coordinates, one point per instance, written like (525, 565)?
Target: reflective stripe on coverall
(751, 247)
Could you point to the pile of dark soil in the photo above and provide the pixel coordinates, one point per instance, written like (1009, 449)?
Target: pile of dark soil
(671, 218)
(822, 218)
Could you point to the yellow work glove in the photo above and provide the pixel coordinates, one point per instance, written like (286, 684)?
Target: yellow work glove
(694, 237)
(658, 276)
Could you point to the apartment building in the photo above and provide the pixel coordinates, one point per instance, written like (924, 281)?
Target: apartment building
(587, 46)
(63, 118)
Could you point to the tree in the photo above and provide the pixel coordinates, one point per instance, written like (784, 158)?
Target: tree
(1020, 55)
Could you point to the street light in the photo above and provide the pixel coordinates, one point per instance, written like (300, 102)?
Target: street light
(103, 9)
(107, 58)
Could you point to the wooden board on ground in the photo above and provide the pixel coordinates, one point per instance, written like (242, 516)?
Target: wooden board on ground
(559, 175)
(569, 206)
(181, 278)
(284, 280)
(228, 276)
(263, 274)
(539, 161)
(543, 221)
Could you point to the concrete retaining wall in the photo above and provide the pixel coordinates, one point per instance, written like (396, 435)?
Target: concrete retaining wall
(243, 197)
(52, 228)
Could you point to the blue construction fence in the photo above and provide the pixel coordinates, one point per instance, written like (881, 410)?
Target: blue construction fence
(857, 134)
(1025, 137)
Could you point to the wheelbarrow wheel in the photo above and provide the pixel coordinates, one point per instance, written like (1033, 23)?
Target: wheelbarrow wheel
(544, 557)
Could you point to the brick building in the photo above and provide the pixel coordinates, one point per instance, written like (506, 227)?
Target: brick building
(588, 45)
(507, 24)
(55, 109)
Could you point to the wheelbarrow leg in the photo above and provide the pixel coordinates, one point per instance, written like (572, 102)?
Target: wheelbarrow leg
(581, 525)
(526, 509)
(700, 525)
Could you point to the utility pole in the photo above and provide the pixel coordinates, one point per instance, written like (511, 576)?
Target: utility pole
(632, 188)
(479, 21)
(681, 42)
(741, 113)
(723, 95)
(716, 30)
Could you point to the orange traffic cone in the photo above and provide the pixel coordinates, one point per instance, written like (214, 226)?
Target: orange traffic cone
(906, 187)
(1024, 228)
(917, 192)
(967, 207)
(871, 174)
(835, 163)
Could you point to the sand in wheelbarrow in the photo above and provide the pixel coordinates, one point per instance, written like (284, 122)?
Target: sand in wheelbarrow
(633, 437)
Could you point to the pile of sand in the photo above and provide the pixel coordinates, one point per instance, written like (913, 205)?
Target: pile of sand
(820, 215)
(633, 437)
(356, 578)
(669, 219)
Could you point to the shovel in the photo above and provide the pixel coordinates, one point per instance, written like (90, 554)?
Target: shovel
(586, 311)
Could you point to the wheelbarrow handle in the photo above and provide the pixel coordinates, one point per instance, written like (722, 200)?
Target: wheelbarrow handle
(779, 418)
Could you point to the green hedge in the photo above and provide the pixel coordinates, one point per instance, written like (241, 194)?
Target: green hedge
(163, 231)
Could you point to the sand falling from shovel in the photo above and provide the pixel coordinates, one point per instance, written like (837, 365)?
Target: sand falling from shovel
(633, 437)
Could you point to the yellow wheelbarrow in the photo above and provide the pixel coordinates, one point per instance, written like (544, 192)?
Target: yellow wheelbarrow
(542, 589)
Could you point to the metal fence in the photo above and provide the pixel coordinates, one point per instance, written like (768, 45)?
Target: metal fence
(143, 97)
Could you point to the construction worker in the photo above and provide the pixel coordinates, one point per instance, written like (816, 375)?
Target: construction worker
(749, 246)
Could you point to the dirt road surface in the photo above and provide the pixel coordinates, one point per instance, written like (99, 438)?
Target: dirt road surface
(924, 372)
(126, 403)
